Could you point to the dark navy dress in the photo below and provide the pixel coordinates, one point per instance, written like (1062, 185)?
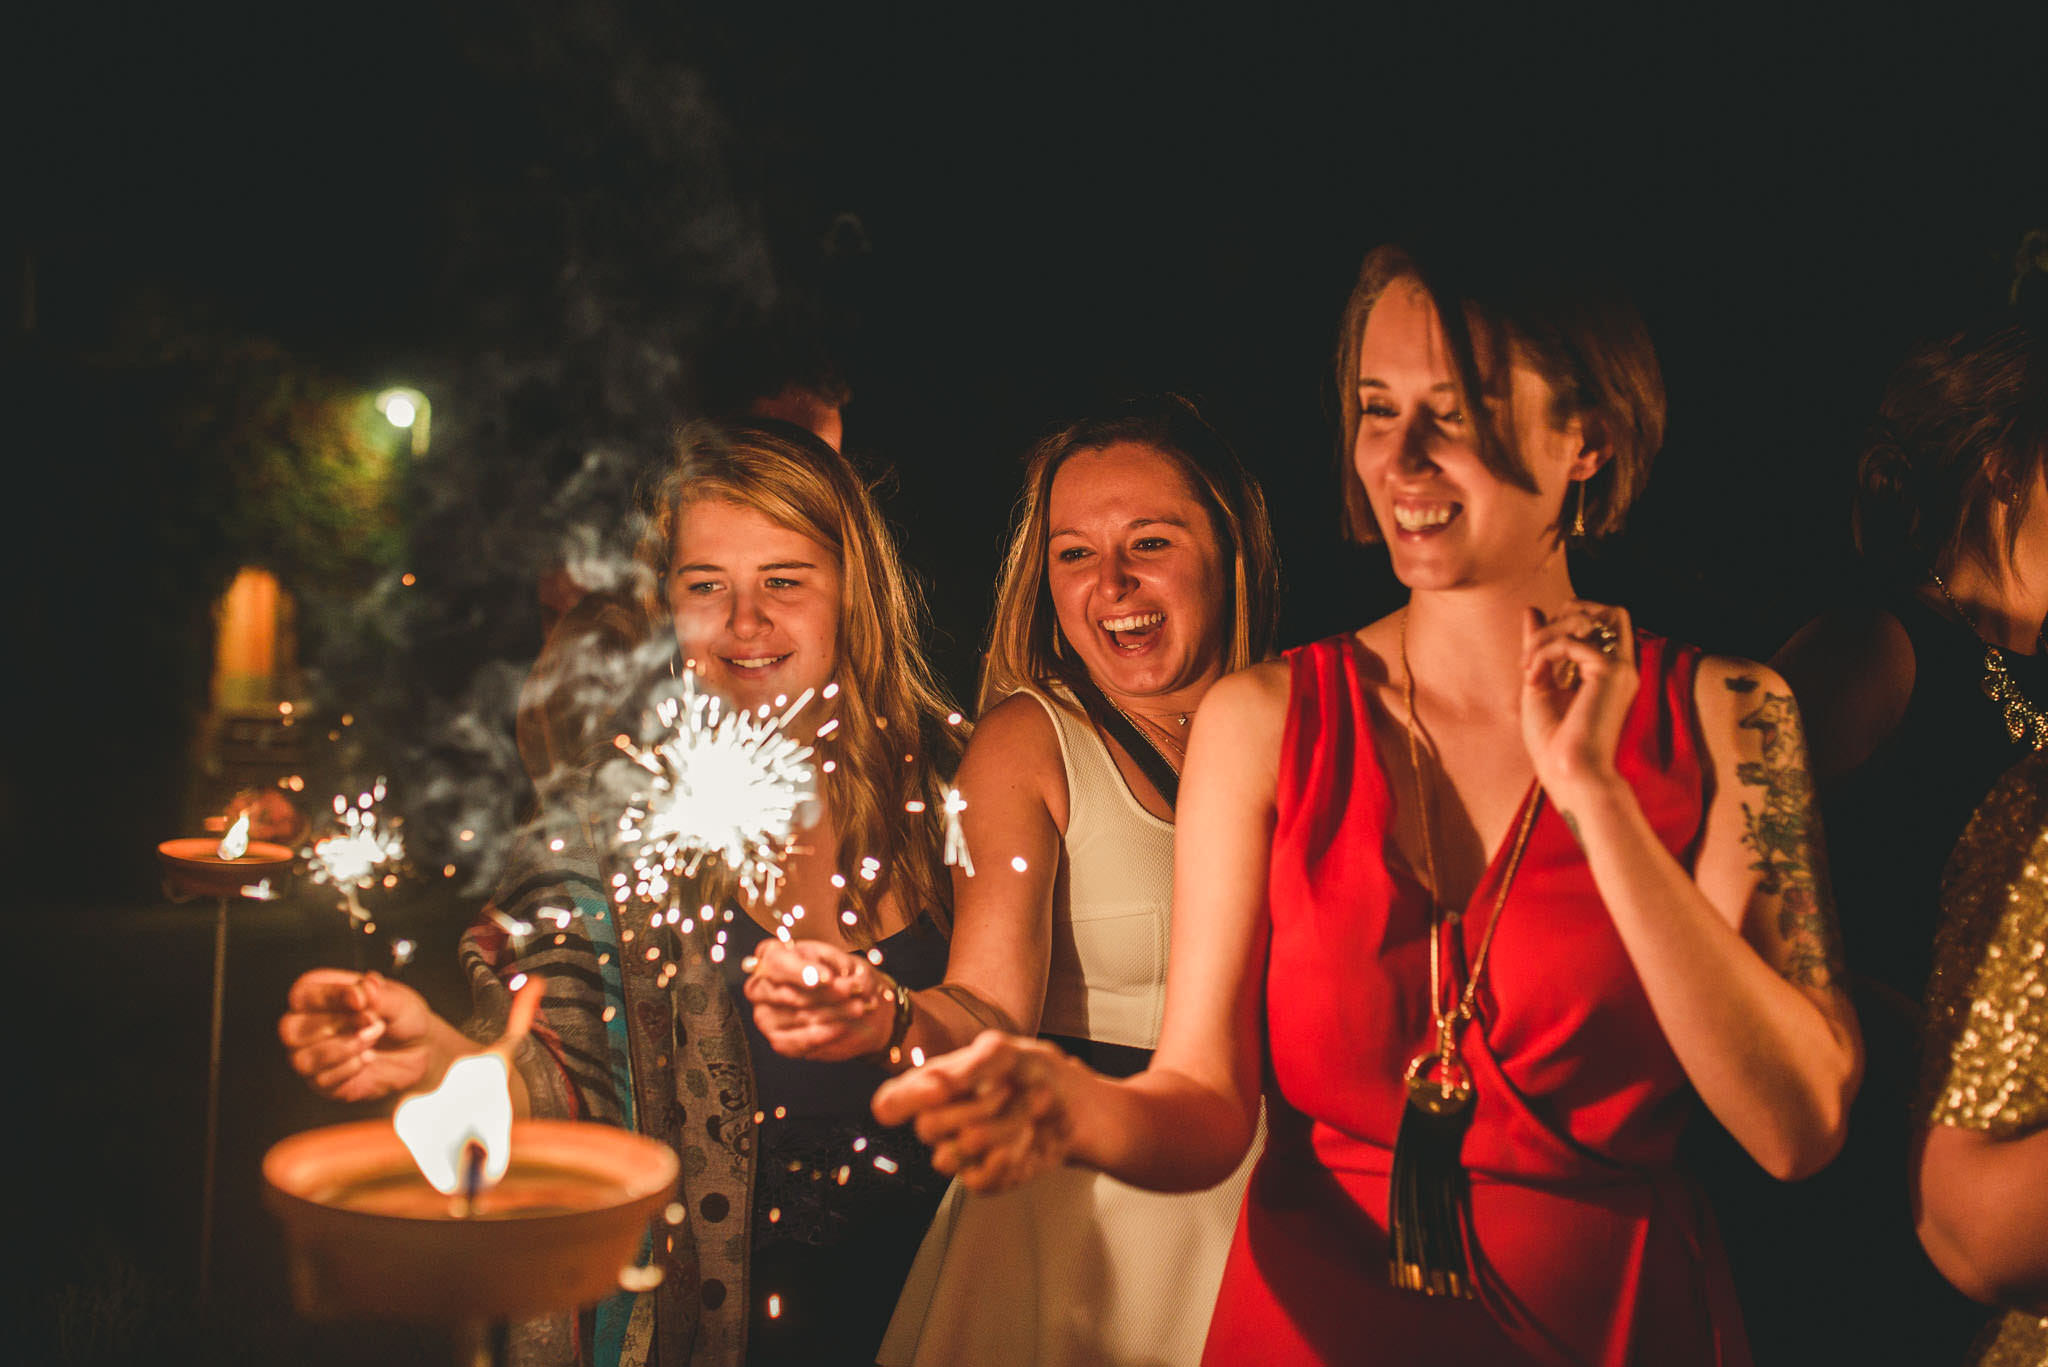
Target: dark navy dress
(840, 1203)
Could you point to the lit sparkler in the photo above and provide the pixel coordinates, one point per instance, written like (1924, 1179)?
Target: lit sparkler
(365, 851)
(956, 838)
(725, 784)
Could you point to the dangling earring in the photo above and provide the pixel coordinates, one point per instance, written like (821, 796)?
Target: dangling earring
(1579, 518)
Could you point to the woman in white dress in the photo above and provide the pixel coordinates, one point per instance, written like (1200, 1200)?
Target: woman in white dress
(1141, 571)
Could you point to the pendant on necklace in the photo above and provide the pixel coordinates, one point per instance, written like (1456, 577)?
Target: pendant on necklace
(1438, 1082)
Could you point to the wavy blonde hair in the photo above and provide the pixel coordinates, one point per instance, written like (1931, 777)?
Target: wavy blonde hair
(898, 739)
(1024, 647)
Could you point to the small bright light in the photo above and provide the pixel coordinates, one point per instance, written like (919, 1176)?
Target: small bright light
(400, 412)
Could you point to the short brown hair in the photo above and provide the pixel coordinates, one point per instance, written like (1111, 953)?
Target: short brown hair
(1581, 335)
(1963, 424)
(1023, 633)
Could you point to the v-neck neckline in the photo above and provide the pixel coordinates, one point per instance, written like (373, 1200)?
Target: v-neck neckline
(1396, 861)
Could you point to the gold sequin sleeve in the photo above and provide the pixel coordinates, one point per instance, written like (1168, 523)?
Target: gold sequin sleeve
(1986, 1063)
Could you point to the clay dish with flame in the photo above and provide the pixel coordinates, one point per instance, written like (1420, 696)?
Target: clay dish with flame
(193, 866)
(369, 1237)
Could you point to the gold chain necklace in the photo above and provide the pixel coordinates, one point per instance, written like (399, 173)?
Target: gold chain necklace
(1180, 747)
(1437, 1079)
(2025, 721)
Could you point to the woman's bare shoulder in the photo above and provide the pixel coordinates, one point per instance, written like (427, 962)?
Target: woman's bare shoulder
(1730, 692)
(1017, 733)
(1852, 669)
(1251, 693)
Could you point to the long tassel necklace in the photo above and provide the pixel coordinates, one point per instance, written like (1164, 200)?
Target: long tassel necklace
(1427, 1196)
(2025, 721)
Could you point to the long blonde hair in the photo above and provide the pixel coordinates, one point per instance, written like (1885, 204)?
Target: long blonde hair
(1025, 648)
(899, 736)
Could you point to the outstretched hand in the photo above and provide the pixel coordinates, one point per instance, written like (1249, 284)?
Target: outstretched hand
(1578, 680)
(817, 1001)
(995, 1113)
(356, 1036)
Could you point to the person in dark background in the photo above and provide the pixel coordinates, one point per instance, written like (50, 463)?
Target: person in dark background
(777, 574)
(1951, 517)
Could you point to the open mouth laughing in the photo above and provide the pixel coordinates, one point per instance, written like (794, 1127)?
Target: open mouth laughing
(1134, 631)
(1414, 517)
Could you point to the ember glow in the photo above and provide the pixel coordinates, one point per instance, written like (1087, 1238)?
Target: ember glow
(724, 784)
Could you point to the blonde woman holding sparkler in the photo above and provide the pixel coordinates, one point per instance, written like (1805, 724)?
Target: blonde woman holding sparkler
(769, 560)
(1141, 570)
(1479, 897)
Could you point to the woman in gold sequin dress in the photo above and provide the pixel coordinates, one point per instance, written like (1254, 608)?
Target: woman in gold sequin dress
(1921, 692)
(1981, 1169)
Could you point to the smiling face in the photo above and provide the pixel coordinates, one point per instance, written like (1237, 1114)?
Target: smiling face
(755, 604)
(1448, 520)
(1137, 575)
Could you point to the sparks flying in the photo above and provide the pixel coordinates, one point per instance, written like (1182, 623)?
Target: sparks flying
(365, 851)
(723, 783)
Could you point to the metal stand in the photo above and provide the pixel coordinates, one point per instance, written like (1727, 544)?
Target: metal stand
(220, 975)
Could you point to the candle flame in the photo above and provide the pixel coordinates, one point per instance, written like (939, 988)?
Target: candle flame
(472, 1106)
(235, 843)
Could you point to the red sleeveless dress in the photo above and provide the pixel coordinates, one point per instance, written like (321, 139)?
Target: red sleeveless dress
(1590, 1247)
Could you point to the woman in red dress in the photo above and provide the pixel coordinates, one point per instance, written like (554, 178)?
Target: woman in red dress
(1481, 896)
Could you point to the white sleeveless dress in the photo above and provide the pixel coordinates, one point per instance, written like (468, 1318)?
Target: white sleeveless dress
(1076, 1268)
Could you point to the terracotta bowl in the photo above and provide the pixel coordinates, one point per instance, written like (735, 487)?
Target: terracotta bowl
(423, 1264)
(196, 871)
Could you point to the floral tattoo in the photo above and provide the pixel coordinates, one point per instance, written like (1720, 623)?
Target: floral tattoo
(1783, 831)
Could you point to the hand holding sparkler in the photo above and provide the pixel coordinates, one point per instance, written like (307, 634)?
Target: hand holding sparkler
(361, 1036)
(996, 1113)
(817, 1001)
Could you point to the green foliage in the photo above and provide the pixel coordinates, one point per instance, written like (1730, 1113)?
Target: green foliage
(281, 464)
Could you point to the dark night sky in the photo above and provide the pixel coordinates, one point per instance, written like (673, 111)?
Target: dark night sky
(1033, 208)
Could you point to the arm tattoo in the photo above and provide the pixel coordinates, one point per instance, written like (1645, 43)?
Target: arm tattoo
(1572, 824)
(1784, 834)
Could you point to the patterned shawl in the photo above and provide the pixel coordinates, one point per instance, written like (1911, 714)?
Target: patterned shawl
(614, 1044)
